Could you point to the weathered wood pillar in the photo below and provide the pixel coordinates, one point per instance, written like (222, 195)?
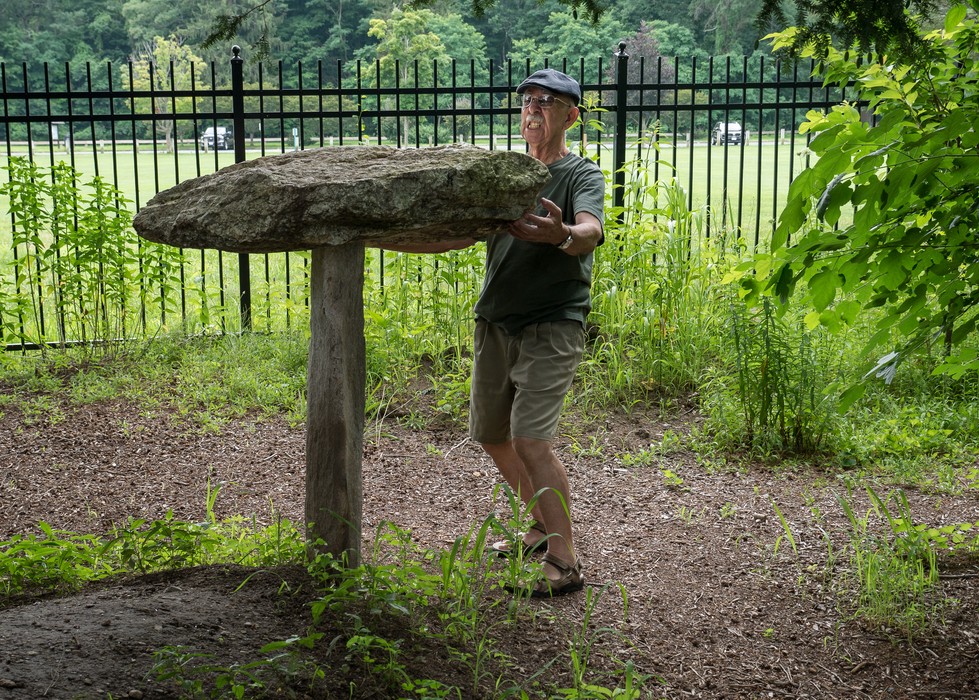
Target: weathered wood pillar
(336, 379)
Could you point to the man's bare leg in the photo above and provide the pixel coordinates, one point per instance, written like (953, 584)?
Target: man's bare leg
(511, 467)
(527, 463)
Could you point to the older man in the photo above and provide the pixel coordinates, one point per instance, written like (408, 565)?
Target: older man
(530, 320)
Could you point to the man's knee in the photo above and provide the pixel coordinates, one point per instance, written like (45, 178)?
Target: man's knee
(494, 449)
(531, 450)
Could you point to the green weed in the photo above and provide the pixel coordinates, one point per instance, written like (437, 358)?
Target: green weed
(896, 574)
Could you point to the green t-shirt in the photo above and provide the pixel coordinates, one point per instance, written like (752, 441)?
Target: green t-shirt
(529, 283)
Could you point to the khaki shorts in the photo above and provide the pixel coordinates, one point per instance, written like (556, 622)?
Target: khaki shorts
(519, 381)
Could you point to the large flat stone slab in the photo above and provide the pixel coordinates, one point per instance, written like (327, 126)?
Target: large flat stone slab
(337, 195)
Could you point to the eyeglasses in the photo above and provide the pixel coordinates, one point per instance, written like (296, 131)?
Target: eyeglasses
(544, 101)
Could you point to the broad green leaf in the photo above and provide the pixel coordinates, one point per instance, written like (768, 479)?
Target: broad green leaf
(955, 15)
(823, 286)
(852, 394)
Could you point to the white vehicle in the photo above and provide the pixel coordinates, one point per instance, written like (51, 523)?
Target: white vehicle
(219, 137)
(727, 132)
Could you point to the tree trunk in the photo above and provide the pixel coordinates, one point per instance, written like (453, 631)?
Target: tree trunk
(335, 401)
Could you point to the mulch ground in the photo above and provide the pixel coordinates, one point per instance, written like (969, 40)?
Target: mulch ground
(719, 603)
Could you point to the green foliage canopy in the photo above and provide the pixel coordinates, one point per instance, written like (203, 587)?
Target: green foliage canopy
(911, 249)
(872, 25)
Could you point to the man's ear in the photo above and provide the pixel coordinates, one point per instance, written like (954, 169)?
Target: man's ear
(572, 116)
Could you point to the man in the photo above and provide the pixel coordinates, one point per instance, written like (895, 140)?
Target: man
(530, 319)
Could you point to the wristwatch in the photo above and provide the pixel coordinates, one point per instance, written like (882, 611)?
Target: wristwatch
(567, 241)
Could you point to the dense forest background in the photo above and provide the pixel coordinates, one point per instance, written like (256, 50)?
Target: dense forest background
(307, 31)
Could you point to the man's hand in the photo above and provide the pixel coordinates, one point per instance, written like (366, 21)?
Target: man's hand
(586, 233)
(541, 229)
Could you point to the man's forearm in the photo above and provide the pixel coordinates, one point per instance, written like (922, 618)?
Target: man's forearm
(430, 247)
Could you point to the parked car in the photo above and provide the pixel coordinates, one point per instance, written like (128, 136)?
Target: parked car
(221, 138)
(727, 132)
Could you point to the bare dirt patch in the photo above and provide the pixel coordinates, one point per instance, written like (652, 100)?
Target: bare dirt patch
(718, 605)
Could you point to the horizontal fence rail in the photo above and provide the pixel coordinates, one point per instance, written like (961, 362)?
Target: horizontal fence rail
(127, 132)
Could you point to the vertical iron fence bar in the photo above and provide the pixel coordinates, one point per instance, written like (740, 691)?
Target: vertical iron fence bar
(197, 170)
(358, 85)
(417, 91)
(111, 101)
(659, 114)
(761, 118)
(621, 124)
(455, 104)
(91, 116)
(113, 146)
(400, 138)
(13, 218)
(60, 300)
(302, 113)
(709, 145)
(153, 127)
(795, 115)
(741, 155)
(47, 106)
(435, 103)
(40, 288)
(319, 101)
(174, 143)
(379, 78)
(509, 103)
(27, 112)
(238, 120)
(261, 109)
(726, 160)
(134, 135)
(219, 254)
(472, 100)
(491, 102)
(583, 131)
(775, 143)
(280, 91)
(690, 135)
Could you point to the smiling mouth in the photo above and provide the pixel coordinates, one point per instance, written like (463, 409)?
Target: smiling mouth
(534, 123)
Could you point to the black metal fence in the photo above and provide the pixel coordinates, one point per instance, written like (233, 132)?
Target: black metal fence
(143, 128)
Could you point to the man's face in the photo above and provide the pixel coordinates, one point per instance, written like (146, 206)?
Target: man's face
(542, 126)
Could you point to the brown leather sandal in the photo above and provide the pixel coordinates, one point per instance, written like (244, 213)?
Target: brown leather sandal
(570, 581)
(504, 547)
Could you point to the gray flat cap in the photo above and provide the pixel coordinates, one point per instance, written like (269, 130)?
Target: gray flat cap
(553, 80)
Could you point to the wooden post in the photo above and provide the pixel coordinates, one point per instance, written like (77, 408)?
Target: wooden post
(336, 383)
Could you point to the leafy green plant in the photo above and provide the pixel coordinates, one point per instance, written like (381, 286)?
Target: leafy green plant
(583, 643)
(909, 178)
(54, 561)
(78, 265)
(64, 561)
(781, 379)
(896, 576)
(786, 531)
(656, 296)
(196, 677)
(671, 479)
